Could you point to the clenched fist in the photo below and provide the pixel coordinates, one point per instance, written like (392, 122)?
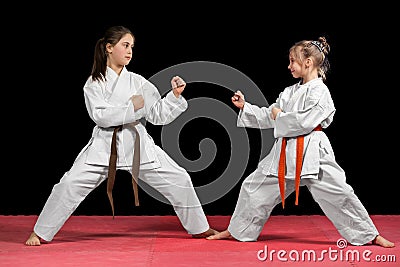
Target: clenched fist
(238, 99)
(274, 112)
(178, 85)
(137, 101)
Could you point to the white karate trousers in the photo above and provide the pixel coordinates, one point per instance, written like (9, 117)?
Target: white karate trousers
(171, 180)
(259, 194)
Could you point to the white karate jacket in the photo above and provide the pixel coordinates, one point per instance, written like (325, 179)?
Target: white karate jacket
(108, 104)
(304, 108)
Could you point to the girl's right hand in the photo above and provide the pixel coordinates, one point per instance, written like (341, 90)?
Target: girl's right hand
(137, 101)
(274, 112)
(238, 99)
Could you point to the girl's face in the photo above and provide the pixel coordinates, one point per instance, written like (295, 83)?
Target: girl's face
(120, 54)
(295, 67)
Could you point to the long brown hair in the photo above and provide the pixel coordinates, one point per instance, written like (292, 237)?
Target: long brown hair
(111, 36)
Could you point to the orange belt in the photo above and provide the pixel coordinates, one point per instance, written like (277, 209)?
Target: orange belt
(299, 163)
(112, 168)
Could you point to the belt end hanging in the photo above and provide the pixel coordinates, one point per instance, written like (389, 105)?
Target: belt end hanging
(135, 191)
(110, 198)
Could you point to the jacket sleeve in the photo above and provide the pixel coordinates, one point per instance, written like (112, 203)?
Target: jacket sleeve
(162, 110)
(253, 116)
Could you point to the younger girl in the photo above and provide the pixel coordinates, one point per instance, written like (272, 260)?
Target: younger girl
(301, 155)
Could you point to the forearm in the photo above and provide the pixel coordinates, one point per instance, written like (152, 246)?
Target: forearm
(167, 109)
(255, 117)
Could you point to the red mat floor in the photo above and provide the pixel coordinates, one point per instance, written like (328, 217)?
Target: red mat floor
(161, 241)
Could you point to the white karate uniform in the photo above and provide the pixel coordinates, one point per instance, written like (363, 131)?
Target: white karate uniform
(304, 107)
(108, 104)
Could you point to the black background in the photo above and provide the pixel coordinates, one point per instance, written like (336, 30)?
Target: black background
(47, 56)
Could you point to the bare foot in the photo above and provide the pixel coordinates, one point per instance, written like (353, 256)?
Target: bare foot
(33, 240)
(380, 241)
(223, 235)
(207, 233)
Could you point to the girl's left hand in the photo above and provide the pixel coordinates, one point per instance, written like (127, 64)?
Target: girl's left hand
(178, 85)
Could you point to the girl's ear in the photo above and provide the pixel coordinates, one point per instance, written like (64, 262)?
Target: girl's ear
(109, 48)
(308, 62)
